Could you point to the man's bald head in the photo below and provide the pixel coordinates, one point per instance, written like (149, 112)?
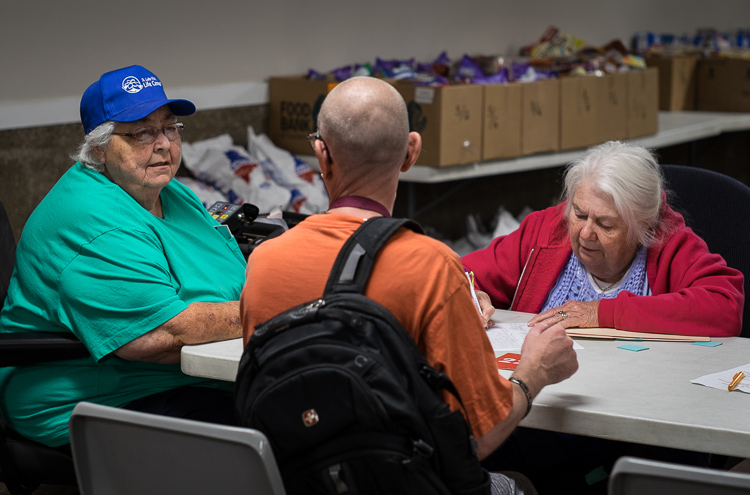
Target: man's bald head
(364, 122)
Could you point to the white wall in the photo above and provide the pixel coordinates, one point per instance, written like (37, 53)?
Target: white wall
(219, 52)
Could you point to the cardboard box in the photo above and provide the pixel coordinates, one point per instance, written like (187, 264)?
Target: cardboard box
(613, 107)
(294, 103)
(723, 85)
(540, 116)
(677, 82)
(643, 100)
(449, 118)
(578, 112)
(501, 132)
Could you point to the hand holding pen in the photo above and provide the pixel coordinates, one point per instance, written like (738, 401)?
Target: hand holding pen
(481, 300)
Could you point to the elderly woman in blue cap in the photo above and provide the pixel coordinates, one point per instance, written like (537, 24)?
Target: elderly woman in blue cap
(127, 259)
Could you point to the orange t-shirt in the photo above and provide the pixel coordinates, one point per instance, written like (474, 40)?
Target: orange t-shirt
(419, 279)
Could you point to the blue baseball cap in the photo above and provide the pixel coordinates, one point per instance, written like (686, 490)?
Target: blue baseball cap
(126, 95)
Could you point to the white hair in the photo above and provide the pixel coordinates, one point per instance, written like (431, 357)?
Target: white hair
(631, 175)
(99, 137)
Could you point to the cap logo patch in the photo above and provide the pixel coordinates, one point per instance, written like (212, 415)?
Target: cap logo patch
(131, 84)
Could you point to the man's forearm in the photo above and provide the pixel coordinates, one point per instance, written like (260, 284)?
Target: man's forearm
(497, 435)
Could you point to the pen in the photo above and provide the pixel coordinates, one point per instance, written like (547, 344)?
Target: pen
(470, 276)
(736, 379)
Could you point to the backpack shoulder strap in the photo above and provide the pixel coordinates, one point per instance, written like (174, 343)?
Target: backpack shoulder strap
(353, 265)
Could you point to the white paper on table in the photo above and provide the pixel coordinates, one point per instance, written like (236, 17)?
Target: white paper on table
(722, 379)
(509, 337)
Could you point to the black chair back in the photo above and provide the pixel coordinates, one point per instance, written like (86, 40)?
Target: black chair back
(18, 349)
(25, 464)
(7, 253)
(717, 208)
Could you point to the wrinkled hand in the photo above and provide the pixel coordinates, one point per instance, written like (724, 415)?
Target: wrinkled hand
(547, 357)
(487, 308)
(571, 314)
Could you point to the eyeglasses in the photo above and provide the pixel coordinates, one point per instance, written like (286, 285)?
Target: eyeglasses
(148, 135)
(311, 138)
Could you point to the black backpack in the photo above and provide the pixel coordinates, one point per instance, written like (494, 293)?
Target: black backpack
(346, 398)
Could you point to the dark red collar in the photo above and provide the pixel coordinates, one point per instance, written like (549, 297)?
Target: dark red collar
(360, 202)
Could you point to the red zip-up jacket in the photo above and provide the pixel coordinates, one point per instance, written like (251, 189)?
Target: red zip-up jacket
(693, 292)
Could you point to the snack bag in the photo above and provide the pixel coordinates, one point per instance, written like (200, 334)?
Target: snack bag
(341, 73)
(524, 73)
(554, 43)
(396, 69)
(468, 69)
(440, 67)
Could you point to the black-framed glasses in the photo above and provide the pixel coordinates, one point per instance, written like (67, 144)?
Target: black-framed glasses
(311, 138)
(148, 135)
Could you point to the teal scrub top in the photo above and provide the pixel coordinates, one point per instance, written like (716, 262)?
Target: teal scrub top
(93, 262)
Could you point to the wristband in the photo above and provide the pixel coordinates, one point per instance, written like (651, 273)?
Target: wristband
(529, 399)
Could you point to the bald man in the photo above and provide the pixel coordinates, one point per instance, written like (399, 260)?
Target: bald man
(362, 145)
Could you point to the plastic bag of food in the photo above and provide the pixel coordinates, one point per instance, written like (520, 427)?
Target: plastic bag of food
(304, 184)
(234, 172)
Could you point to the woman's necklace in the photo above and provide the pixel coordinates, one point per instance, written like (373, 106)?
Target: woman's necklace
(605, 289)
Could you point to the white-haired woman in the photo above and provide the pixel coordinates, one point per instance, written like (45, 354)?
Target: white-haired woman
(612, 254)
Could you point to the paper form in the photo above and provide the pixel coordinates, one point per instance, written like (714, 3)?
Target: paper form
(722, 379)
(507, 337)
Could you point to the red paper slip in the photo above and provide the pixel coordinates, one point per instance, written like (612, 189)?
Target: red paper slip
(508, 361)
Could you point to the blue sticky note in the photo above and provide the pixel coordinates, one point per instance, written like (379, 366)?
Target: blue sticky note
(632, 347)
(707, 344)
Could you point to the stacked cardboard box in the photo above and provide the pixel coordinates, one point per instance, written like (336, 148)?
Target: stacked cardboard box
(449, 118)
(613, 109)
(466, 123)
(540, 117)
(643, 102)
(501, 137)
(579, 112)
(710, 84)
(723, 85)
(294, 105)
(677, 82)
